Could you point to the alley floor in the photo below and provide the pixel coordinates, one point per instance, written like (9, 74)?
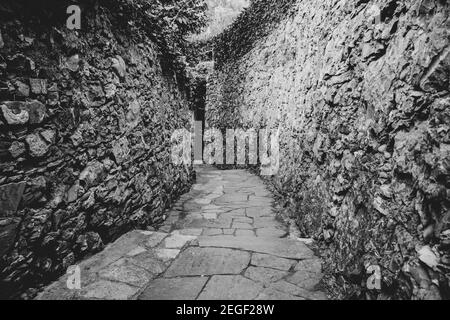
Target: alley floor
(221, 241)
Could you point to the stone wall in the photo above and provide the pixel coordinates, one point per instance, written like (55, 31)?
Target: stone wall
(85, 155)
(360, 93)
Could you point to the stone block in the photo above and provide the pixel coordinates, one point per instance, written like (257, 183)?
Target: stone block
(38, 86)
(37, 146)
(119, 66)
(14, 118)
(229, 287)
(121, 150)
(10, 197)
(8, 232)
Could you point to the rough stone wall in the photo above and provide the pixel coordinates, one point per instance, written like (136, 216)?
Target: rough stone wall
(85, 153)
(362, 104)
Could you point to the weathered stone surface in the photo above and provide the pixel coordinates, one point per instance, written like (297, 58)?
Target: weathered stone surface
(191, 232)
(203, 201)
(17, 149)
(174, 289)
(21, 63)
(427, 256)
(10, 196)
(109, 290)
(155, 239)
(56, 292)
(119, 66)
(268, 261)
(34, 190)
(208, 261)
(177, 241)
(239, 225)
(134, 115)
(243, 220)
(236, 213)
(22, 89)
(38, 147)
(36, 111)
(62, 102)
(310, 265)
(259, 212)
(354, 143)
(18, 112)
(48, 135)
(292, 289)
(38, 86)
(222, 222)
(272, 294)
(121, 150)
(125, 261)
(92, 174)
(267, 222)
(212, 232)
(174, 266)
(264, 275)
(260, 201)
(229, 231)
(150, 261)
(271, 233)
(8, 232)
(230, 288)
(72, 193)
(304, 279)
(136, 251)
(73, 62)
(244, 233)
(284, 248)
(231, 198)
(113, 252)
(210, 216)
(13, 118)
(167, 255)
(125, 271)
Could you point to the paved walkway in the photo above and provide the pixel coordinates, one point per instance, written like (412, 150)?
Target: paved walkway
(221, 241)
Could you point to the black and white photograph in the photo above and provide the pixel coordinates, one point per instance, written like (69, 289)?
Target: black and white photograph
(231, 157)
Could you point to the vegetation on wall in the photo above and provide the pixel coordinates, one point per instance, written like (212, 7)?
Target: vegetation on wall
(253, 24)
(167, 22)
(221, 14)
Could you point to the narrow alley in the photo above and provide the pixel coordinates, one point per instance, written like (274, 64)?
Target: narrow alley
(221, 241)
(225, 150)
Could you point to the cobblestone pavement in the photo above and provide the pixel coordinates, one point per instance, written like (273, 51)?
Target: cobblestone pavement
(221, 241)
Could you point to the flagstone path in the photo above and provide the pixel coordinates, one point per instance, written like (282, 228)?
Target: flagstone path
(221, 241)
